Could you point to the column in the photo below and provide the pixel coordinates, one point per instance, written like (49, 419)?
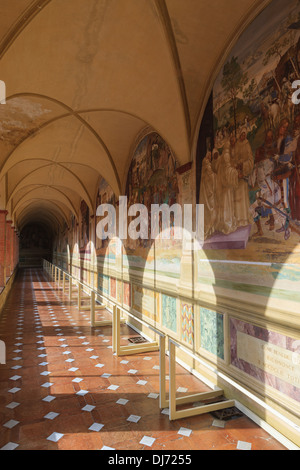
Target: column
(8, 248)
(12, 249)
(2, 248)
(17, 249)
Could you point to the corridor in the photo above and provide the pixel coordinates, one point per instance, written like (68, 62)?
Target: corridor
(63, 389)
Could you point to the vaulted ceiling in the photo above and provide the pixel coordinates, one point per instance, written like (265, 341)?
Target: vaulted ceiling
(85, 77)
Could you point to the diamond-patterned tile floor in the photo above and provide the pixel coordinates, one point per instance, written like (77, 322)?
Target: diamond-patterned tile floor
(62, 388)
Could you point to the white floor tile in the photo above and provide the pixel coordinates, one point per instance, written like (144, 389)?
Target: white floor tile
(47, 384)
(51, 415)
(219, 423)
(241, 445)
(122, 401)
(12, 405)
(55, 437)
(11, 424)
(88, 408)
(10, 446)
(14, 390)
(49, 398)
(82, 393)
(96, 427)
(134, 418)
(185, 432)
(113, 387)
(147, 441)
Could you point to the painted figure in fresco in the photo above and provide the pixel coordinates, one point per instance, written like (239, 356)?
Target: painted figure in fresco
(287, 91)
(244, 164)
(99, 241)
(274, 112)
(264, 110)
(155, 155)
(151, 180)
(257, 135)
(269, 190)
(84, 229)
(207, 194)
(294, 193)
(232, 149)
(226, 183)
(283, 171)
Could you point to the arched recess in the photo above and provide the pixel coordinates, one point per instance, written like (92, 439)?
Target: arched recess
(42, 192)
(48, 175)
(35, 195)
(89, 69)
(66, 141)
(35, 214)
(33, 207)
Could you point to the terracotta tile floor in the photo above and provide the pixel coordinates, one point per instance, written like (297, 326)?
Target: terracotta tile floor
(55, 389)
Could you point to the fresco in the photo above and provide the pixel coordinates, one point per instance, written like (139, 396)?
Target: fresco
(248, 162)
(21, 117)
(249, 150)
(71, 232)
(84, 232)
(105, 195)
(152, 179)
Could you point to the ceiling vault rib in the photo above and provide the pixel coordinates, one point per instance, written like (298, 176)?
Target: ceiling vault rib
(32, 134)
(63, 116)
(83, 121)
(50, 203)
(62, 166)
(169, 33)
(51, 162)
(27, 16)
(15, 206)
(24, 214)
